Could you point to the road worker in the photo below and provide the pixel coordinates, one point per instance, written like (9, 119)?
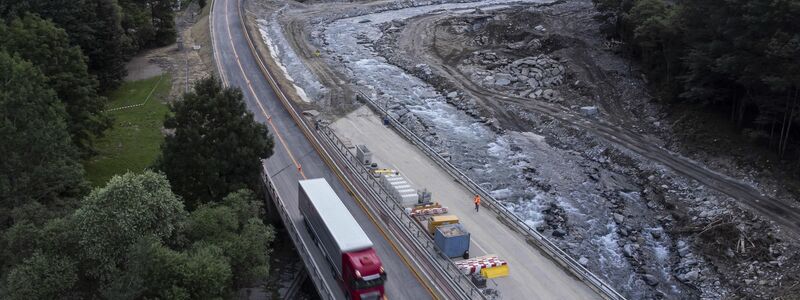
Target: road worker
(477, 202)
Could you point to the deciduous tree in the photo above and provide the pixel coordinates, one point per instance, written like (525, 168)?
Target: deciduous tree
(42, 277)
(114, 217)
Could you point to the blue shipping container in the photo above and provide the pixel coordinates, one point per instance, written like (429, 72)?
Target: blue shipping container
(452, 240)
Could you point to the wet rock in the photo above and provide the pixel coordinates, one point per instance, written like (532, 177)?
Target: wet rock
(533, 83)
(689, 262)
(502, 81)
(535, 44)
(549, 94)
(516, 46)
(629, 250)
(618, 218)
(656, 234)
(683, 251)
(650, 280)
(559, 233)
(623, 231)
(691, 276)
(583, 261)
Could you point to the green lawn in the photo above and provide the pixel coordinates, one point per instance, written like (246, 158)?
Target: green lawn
(134, 140)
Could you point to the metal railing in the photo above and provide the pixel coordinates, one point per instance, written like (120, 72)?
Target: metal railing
(315, 273)
(421, 239)
(463, 284)
(512, 220)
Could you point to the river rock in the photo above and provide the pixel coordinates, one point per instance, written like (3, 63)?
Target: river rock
(691, 276)
(583, 261)
(618, 218)
(502, 81)
(549, 94)
(629, 250)
(650, 280)
(656, 234)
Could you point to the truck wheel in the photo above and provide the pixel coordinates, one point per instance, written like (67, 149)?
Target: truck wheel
(466, 254)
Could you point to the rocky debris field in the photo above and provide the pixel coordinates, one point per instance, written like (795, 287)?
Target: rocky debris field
(531, 77)
(648, 231)
(645, 228)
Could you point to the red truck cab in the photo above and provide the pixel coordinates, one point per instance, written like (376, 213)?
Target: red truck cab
(363, 275)
(342, 240)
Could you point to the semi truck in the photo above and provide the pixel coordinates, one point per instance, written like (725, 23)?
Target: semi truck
(345, 245)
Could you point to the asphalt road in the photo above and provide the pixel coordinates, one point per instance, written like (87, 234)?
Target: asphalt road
(294, 158)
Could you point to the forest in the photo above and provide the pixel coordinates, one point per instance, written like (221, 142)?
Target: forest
(733, 57)
(173, 231)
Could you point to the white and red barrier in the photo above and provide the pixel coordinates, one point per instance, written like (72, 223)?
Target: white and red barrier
(429, 211)
(474, 265)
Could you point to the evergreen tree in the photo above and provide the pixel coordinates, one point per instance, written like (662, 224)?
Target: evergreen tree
(94, 25)
(40, 164)
(217, 146)
(39, 42)
(149, 23)
(163, 21)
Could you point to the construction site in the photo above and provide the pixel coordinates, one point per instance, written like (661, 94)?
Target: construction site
(531, 103)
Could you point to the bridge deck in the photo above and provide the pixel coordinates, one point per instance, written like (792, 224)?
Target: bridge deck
(238, 67)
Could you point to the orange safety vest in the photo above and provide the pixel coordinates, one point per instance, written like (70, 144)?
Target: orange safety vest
(477, 199)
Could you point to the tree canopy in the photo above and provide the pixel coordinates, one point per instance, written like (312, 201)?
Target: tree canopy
(738, 55)
(39, 42)
(216, 147)
(133, 239)
(108, 32)
(40, 165)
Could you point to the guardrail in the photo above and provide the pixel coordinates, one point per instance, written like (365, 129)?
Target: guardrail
(468, 290)
(543, 243)
(397, 213)
(422, 239)
(315, 273)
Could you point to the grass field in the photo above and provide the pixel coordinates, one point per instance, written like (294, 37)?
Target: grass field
(134, 140)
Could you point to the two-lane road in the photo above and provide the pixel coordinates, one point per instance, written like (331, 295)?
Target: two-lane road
(295, 158)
